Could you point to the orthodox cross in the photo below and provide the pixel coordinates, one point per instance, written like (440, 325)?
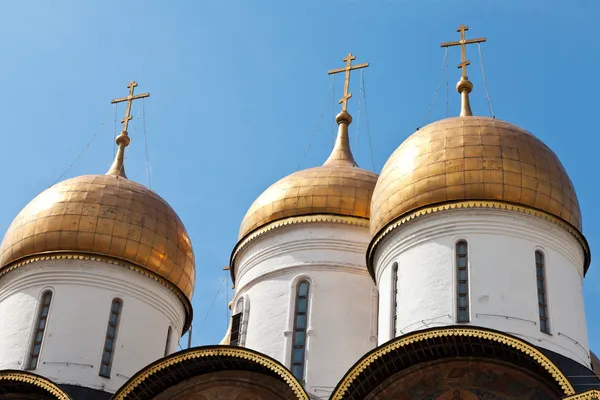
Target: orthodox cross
(349, 67)
(463, 47)
(129, 99)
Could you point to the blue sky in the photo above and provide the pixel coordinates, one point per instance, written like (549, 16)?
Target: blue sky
(237, 88)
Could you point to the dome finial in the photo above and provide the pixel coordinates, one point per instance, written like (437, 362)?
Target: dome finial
(341, 154)
(464, 86)
(118, 166)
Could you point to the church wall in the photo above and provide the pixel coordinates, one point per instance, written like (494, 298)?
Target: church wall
(342, 302)
(502, 277)
(76, 327)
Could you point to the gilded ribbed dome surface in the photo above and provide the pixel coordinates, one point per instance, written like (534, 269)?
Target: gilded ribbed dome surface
(320, 190)
(337, 187)
(472, 158)
(104, 215)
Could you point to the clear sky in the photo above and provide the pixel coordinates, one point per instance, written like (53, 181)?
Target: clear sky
(237, 88)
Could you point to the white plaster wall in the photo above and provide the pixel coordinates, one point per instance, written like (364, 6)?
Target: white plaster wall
(502, 277)
(342, 319)
(74, 337)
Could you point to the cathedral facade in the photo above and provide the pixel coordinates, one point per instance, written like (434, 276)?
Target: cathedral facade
(455, 273)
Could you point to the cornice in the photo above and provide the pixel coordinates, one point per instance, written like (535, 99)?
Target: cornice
(474, 204)
(109, 260)
(304, 219)
(500, 223)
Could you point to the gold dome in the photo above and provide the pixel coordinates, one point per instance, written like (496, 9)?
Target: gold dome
(104, 215)
(472, 158)
(337, 187)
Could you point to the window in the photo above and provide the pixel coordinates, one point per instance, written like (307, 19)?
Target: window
(235, 337)
(300, 324)
(395, 299)
(168, 343)
(111, 337)
(40, 327)
(541, 290)
(462, 281)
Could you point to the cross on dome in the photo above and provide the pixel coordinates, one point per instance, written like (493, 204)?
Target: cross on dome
(349, 67)
(464, 86)
(118, 167)
(129, 99)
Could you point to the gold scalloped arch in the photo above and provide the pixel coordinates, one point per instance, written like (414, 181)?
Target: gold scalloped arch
(587, 395)
(522, 346)
(34, 380)
(241, 353)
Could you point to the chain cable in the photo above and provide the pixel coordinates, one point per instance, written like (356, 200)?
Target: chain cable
(115, 131)
(358, 113)
(146, 143)
(84, 149)
(437, 89)
(333, 111)
(447, 96)
(210, 308)
(487, 93)
(367, 119)
(318, 124)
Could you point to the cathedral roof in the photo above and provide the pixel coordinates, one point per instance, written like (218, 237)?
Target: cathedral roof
(338, 187)
(106, 216)
(469, 161)
(472, 158)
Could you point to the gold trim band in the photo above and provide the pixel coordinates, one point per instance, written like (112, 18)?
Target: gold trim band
(110, 260)
(587, 395)
(525, 348)
(35, 380)
(340, 219)
(274, 366)
(498, 205)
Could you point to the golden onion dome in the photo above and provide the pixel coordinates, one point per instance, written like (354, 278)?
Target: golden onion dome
(338, 187)
(472, 158)
(105, 217)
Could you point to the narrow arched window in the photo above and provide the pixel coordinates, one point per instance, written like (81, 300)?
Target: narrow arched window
(541, 290)
(111, 337)
(40, 328)
(168, 343)
(236, 324)
(395, 299)
(462, 286)
(300, 324)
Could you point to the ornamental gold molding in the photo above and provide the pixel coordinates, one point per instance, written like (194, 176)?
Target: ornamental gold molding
(281, 371)
(109, 260)
(523, 347)
(588, 395)
(305, 219)
(498, 205)
(35, 380)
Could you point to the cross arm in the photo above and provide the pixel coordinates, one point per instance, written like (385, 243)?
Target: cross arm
(337, 71)
(137, 96)
(460, 42)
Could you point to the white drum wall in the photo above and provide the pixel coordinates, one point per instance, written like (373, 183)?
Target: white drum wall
(502, 277)
(342, 318)
(76, 327)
